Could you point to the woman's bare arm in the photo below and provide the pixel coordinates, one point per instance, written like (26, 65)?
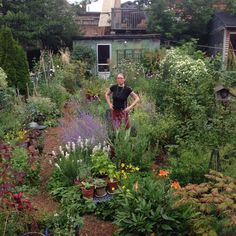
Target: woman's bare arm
(108, 99)
(135, 101)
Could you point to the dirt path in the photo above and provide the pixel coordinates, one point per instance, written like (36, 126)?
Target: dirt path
(52, 141)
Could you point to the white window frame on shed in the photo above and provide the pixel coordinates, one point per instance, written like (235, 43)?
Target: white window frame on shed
(105, 73)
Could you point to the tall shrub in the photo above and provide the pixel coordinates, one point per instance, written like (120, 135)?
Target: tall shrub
(84, 53)
(13, 61)
(185, 90)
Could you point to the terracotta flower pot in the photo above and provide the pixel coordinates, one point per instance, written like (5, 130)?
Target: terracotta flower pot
(100, 191)
(112, 186)
(88, 193)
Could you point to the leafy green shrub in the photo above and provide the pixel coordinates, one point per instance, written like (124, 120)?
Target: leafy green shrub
(39, 109)
(189, 166)
(148, 208)
(22, 163)
(184, 91)
(84, 53)
(56, 92)
(71, 208)
(101, 163)
(133, 148)
(7, 98)
(151, 60)
(70, 76)
(228, 160)
(10, 121)
(3, 81)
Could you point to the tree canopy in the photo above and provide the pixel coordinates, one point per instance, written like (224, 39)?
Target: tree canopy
(183, 19)
(40, 23)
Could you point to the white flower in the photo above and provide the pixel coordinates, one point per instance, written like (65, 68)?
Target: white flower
(73, 146)
(50, 162)
(78, 140)
(57, 166)
(68, 147)
(60, 149)
(86, 142)
(95, 149)
(53, 153)
(99, 146)
(67, 155)
(81, 144)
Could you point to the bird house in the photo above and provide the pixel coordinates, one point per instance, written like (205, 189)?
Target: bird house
(222, 93)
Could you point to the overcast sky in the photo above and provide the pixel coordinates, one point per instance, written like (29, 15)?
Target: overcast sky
(96, 6)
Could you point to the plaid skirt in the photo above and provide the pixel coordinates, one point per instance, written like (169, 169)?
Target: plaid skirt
(120, 117)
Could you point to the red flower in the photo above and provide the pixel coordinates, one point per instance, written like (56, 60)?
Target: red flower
(17, 196)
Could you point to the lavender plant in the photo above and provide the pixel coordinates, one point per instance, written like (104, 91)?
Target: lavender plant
(87, 127)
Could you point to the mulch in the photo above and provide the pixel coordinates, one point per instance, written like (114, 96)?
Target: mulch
(43, 202)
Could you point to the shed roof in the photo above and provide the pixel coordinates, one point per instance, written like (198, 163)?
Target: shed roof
(118, 36)
(227, 19)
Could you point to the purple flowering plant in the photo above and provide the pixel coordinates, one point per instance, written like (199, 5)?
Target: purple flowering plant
(86, 126)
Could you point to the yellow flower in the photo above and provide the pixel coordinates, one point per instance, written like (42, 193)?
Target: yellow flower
(137, 168)
(122, 165)
(122, 172)
(112, 189)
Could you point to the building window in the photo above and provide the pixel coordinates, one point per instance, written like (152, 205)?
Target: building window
(103, 57)
(133, 55)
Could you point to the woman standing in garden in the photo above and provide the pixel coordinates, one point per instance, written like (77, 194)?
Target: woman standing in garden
(119, 107)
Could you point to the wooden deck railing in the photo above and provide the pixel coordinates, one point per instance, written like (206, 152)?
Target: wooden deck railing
(128, 19)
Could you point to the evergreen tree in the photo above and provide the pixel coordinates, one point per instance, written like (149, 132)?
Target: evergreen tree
(13, 60)
(7, 55)
(22, 70)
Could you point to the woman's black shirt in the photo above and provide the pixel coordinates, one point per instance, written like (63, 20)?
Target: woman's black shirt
(119, 96)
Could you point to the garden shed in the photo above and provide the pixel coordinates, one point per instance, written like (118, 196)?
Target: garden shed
(112, 49)
(223, 37)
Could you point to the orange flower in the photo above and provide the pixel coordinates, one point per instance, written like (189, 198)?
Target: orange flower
(163, 173)
(175, 185)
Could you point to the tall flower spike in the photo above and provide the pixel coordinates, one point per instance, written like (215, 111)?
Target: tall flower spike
(53, 153)
(73, 146)
(67, 155)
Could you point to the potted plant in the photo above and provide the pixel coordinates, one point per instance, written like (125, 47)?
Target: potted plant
(101, 164)
(112, 183)
(100, 187)
(87, 189)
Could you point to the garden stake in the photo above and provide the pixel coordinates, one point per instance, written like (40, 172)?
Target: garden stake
(214, 163)
(77, 228)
